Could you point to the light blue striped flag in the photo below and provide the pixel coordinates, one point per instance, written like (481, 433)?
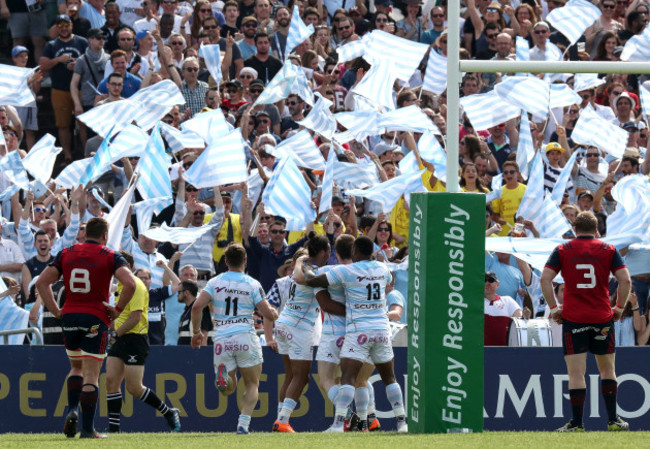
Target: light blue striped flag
(328, 183)
(211, 55)
(130, 142)
(638, 47)
(179, 140)
(39, 162)
(349, 176)
(208, 125)
(497, 187)
(402, 55)
(177, 235)
(153, 169)
(525, 146)
(9, 192)
(563, 179)
(562, 95)
(280, 86)
(353, 50)
(12, 167)
(320, 118)
(435, 77)
(146, 209)
(553, 53)
(359, 124)
(644, 96)
(377, 85)
(574, 18)
(71, 175)
(410, 118)
(522, 49)
(114, 116)
(255, 186)
(388, 193)
(149, 114)
(409, 164)
(222, 162)
(431, 151)
(14, 89)
(550, 221)
(298, 32)
(301, 87)
(101, 160)
(303, 149)
(154, 102)
(529, 206)
(632, 214)
(487, 110)
(584, 81)
(525, 92)
(12, 317)
(592, 129)
(117, 217)
(333, 5)
(288, 195)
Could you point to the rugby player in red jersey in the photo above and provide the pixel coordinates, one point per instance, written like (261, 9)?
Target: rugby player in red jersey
(586, 315)
(87, 270)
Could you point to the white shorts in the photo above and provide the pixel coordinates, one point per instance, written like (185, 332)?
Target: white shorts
(372, 346)
(296, 343)
(329, 348)
(241, 350)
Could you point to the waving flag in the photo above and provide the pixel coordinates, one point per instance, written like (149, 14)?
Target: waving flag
(584, 81)
(353, 50)
(14, 89)
(211, 54)
(409, 164)
(209, 125)
(550, 221)
(146, 209)
(591, 129)
(435, 77)
(9, 192)
(562, 95)
(431, 151)
(177, 235)
(409, 118)
(298, 32)
(280, 86)
(497, 187)
(222, 162)
(12, 167)
(301, 87)
(117, 217)
(130, 142)
(348, 175)
(574, 18)
(487, 110)
(553, 53)
(153, 169)
(165, 92)
(377, 85)
(101, 160)
(328, 182)
(525, 92)
(388, 193)
(632, 214)
(359, 124)
(529, 206)
(522, 49)
(12, 317)
(638, 47)
(303, 149)
(402, 55)
(111, 116)
(525, 146)
(179, 140)
(644, 96)
(320, 118)
(39, 162)
(288, 195)
(563, 179)
(72, 174)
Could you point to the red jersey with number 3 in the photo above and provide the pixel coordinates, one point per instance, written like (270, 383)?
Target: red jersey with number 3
(585, 263)
(87, 270)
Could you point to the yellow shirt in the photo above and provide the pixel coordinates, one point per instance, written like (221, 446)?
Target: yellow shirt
(399, 220)
(217, 253)
(466, 190)
(507, 205)
(139, 301)
(294, 236)
(438, 186)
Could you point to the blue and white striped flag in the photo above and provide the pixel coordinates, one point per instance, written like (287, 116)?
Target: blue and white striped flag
(632, 213)
(388, 193)
(402, 55)
(130, 142)
(14, 89)
(209, 125)
(529, 206)
(328, 183)
(114, 116)
(644, 97)
(9, 192)
(553, 53)
(146, 209)
(487, 110)
(525, 146)
(377, 85)
(522, 49)
(435, 77)
(409, 164)
(584, 81)
(72, 174)
(359, 124)
(303, 149)
(353, 50)
(592, 129)
(222, 162)
(431, 151)
(153, 169)
(211, 54)
(12, 317)
(638, 47)
(149, 114)
(117, 217)
(348, 175)
(320, 118)
(562, 95)
(101, 160)
(12, 167)
(179, 140)
(409, 118)
(301, 87)
(154, 102)
(255, 185)
(497, 187)
(39, 162)
(288, 195)
(525, 92)
(563, 179)
(280, 86)
(177, 235)
(550, 221)
(574, 18)
(298, 32)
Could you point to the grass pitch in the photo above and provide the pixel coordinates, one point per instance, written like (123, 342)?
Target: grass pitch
(491, 440)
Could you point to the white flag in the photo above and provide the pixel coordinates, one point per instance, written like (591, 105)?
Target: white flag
(117, 217)
(39, 162)
(222, 162)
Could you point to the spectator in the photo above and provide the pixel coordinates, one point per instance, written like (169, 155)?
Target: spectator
(187, 294)
(411, 26)
(247, 43)
(192, 89)
(26, 22)
(498, 310)
(264, 63)
(437, 14)
(112, 26)
(506, 207)
(278, 39)
(80, 25)
(28, 114)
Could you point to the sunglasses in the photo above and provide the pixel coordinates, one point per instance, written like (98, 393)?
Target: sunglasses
(573, 111)
(337, 225)
(9, 133)
(509, 172)
(246, 76)
(276, 231)
(609, 6)
(540, 31)
(82, 228)
(382, 20)
(264, 120)
(134, 158)
(40, 209)
(168, 121)
(592, 155)
(63, 25)
(205, 10)
(643, 136)
(292, 103)
(176, 43)
(490, 280)
(191, 69)
(491, 36)
(383, 230)
(199, 212)
(444, 41)
(256, 91)
(126, 39)
(191, 189)
(250, 25)
(266, 217)
(492, 10)
(437, 16)
(347, 27)
(210, 27)
(187, 165)
(617, 93)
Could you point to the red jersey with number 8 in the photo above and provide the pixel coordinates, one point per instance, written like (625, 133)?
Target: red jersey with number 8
(87, 270)
(585, 263)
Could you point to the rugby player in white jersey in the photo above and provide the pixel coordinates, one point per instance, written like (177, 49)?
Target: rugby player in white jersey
(367, 337)
(234, 297)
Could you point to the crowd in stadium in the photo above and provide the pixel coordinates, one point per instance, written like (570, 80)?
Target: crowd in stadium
(91, 54)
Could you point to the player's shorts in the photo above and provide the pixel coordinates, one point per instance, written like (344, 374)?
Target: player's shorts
(296, 343)
(372, 346)
(240, 350)
(63, 107)
(24, 24)
(579, 338)
(132, 349)
(84, 335)
(329, 348)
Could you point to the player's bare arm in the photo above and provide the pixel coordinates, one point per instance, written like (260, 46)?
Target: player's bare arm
(44, 286)
(198, 339)
(624, 287)
(328, 305)
(546, 282)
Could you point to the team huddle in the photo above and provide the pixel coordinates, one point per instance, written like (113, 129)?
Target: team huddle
(355, 331)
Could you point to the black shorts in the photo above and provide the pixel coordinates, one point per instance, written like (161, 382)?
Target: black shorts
(132, 349)
(584, 337)
(84, 335)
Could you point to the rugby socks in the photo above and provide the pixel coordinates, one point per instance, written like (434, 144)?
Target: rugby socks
(280, 405)
(150, 398)
(361, 403)
(88, 400)
(609, 387)
(332, 393)
(114, 404)
(578, 396)
(287, 409)
(74, 391)
(244, 421)
(394, 394)
(371, 402)
(343, 400)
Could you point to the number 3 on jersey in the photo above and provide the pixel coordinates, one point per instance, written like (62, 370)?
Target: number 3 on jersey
(374, 291)
(590, 275)
(80, 280)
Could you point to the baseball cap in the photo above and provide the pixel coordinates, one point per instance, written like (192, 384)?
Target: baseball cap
(618, 50)
(383, 147)
(337, 200)
(96, 33)
(554, 146)
(630, 126)
(586, 193)
(256, 82)
(262, 112)
(63, 18)
(18, 49)
(491, 275)
(225, 194)
(238, 84)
